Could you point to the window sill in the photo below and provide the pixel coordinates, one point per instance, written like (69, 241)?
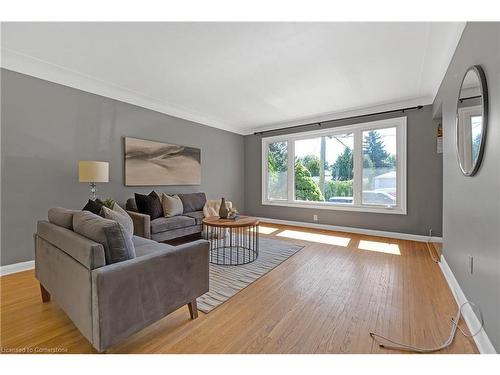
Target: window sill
(339, 207)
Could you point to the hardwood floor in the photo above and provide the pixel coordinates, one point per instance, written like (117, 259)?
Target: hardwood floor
(324, 299)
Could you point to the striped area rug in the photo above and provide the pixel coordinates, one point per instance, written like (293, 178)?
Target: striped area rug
(226, 281)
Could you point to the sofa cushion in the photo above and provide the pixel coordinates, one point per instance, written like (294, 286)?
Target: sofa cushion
(163, 224)
(197, 216)
(149, 204)
(172, 205)
(117, 245)
(89, 253)
(193, 201)
(119, 215)
(144, 246)
(62, 216)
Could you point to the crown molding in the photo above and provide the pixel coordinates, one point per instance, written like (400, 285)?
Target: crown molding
(22, 63)
(25, 64)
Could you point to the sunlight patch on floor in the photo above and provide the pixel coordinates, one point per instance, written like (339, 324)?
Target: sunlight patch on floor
(381, 247)
(315, 237)
(265, 230)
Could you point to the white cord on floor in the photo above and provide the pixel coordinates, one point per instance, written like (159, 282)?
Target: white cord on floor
(431, 254)
(401, 346)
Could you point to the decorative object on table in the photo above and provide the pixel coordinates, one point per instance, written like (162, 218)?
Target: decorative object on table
(149, 205)
(92, 172)
(232, 243)
(212, 206)
(233, 214)
(472, 120)
(155, 163)
(223, 211)
(226, 282)
(94, 206)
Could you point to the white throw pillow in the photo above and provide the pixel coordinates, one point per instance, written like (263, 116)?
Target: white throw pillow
(172, 205)
(121, 216)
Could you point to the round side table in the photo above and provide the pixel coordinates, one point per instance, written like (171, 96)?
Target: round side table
(232, 242)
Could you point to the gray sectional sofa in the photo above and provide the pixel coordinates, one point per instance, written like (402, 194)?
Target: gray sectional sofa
(109, 302)
(167, 228)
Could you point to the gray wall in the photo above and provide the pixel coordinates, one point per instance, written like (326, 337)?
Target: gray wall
(47, 128)
(424, 194)
(471, 207)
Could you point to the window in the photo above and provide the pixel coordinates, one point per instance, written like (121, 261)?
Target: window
(359, 167)
(277, 166)
(379, 167)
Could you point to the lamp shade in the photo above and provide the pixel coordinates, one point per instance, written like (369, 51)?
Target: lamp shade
(93, 171)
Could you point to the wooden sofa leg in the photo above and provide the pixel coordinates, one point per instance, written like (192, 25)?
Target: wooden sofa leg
(193, 309)
(45, 294)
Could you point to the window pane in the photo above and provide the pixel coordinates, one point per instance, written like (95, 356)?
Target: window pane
(379, 167)
(308, 170)
(277, 159)
(324, 169)
(339, 175)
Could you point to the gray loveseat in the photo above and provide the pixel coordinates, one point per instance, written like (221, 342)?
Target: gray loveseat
(109, 302)
(167, 228)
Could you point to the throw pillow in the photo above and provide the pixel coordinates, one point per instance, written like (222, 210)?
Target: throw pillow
(149, 205)
(172, 205)
(193, 201)
(93, 206)
(118, 246)
(62, 217)
(120, 217)
(117, 208)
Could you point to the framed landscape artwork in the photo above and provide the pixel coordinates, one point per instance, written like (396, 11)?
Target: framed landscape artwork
(155, 163)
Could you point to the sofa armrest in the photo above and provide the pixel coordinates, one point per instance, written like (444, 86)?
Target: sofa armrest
(130, 295)
(142, 224)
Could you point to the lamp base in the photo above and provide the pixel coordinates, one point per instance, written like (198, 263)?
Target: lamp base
(92, 190)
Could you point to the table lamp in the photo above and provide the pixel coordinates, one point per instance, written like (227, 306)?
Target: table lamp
(92, 172)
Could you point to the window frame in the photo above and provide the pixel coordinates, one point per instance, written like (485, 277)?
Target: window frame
(400, 123)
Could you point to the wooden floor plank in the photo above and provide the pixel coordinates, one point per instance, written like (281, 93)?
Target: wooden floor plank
(324, 299)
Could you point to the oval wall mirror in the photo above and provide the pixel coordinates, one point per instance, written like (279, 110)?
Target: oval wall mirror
(472, 120)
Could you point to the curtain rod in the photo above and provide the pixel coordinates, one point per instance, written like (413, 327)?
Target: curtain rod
(470, 98)
(403, 110)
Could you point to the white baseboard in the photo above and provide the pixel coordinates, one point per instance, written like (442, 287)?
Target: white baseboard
(17, 267)
(368, 232)
(482, 340)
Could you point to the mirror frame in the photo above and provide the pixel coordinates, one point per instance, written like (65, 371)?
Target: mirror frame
(484, 91)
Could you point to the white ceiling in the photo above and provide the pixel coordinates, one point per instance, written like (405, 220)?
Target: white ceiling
(241, 77)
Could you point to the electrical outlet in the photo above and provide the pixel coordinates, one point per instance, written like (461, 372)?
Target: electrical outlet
(315, 217)
(471, 264)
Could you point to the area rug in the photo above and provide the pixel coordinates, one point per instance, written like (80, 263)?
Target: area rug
(226, 281)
